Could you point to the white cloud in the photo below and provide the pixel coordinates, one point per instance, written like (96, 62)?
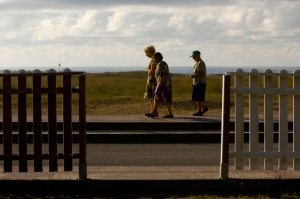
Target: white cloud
(115, 21)
(177, 21)
(205, 18)
(49, 29)
(254, 17)
(235, 33)
(86, 22)
(151, 24)
(232, 32)
(231, 16)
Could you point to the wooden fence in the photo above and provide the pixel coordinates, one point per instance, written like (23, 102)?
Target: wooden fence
(286, 96)
(28, 85)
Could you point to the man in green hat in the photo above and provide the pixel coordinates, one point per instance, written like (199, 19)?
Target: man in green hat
(199, 83)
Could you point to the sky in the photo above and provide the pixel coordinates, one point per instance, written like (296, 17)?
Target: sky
(114, 33)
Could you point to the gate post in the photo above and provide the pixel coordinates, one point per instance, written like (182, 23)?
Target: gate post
(82, 129)
(296, 115)
(22, 118)
(224, 169)
(7, 120)
(37, 120)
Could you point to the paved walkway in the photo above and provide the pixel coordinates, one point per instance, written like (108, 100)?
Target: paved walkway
(131, 118)
(103, 180)
(149, 173)
(144, 172)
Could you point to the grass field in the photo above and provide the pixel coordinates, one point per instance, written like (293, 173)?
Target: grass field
(122, 93)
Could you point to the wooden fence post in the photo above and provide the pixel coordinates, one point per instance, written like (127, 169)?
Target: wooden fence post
(22, 121)
(283, 120)
(239, 118)
(253, 119)
(7, 120)
(268, 120)
(67, 119)
(37, 121)
(52, 120)
(296, 117)
(224, 169)
(82, 128)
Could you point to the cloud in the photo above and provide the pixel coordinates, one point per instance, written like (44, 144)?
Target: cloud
(93, 32)
(115, 21)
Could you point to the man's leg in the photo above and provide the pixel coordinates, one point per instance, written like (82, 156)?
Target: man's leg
(204, 107)
(169, 109)
(199, 106)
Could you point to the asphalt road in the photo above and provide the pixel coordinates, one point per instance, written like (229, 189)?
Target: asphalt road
(153, 154)
(140, 154)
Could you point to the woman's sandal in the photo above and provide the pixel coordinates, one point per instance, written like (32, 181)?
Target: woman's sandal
(150, 115)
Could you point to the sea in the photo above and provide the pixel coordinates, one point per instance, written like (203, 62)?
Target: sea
(185, 70)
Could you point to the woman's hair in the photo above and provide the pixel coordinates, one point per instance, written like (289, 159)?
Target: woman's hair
(158, 55)
(150, 49)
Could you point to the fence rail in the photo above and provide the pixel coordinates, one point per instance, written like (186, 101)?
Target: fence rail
(30, 84)
(269, 91)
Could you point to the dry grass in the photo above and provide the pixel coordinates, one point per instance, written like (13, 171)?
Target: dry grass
(122, 93)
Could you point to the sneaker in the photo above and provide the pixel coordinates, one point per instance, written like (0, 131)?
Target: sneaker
(205, 110)
(168, 116)
(197, 114)
(201, 113)
(149, 115)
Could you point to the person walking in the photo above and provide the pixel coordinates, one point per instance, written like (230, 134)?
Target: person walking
(199, 83)
(163, 90)
(151, 80)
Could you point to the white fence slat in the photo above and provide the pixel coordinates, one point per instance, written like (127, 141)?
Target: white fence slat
(263, 74)
(262, 91)
(253, 119)
(283, 121)
(261, 155)
(296, 123)
(239, 124)
(268, 121)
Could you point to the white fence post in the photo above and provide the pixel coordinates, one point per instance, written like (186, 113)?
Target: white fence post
(296, 114)
(283, 120)
(253, 119)
(268, 118)
(239, 118)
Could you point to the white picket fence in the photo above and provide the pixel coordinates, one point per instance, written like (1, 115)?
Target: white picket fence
(271, 151)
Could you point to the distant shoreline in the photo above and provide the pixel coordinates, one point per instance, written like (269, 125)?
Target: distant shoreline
(211, 70)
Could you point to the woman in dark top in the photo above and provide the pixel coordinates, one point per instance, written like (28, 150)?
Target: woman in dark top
(163, 90)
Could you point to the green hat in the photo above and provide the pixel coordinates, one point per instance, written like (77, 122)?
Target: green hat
(195, 52)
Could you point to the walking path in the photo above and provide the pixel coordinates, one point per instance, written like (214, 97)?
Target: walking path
(159, 172)
(163, 176)
(149, 173)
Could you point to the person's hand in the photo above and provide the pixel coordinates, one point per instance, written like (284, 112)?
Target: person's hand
(193, 75)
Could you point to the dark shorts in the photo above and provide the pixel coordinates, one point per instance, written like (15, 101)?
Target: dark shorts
(198, 93)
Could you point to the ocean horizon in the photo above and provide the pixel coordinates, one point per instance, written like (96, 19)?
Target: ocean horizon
(185, 70)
